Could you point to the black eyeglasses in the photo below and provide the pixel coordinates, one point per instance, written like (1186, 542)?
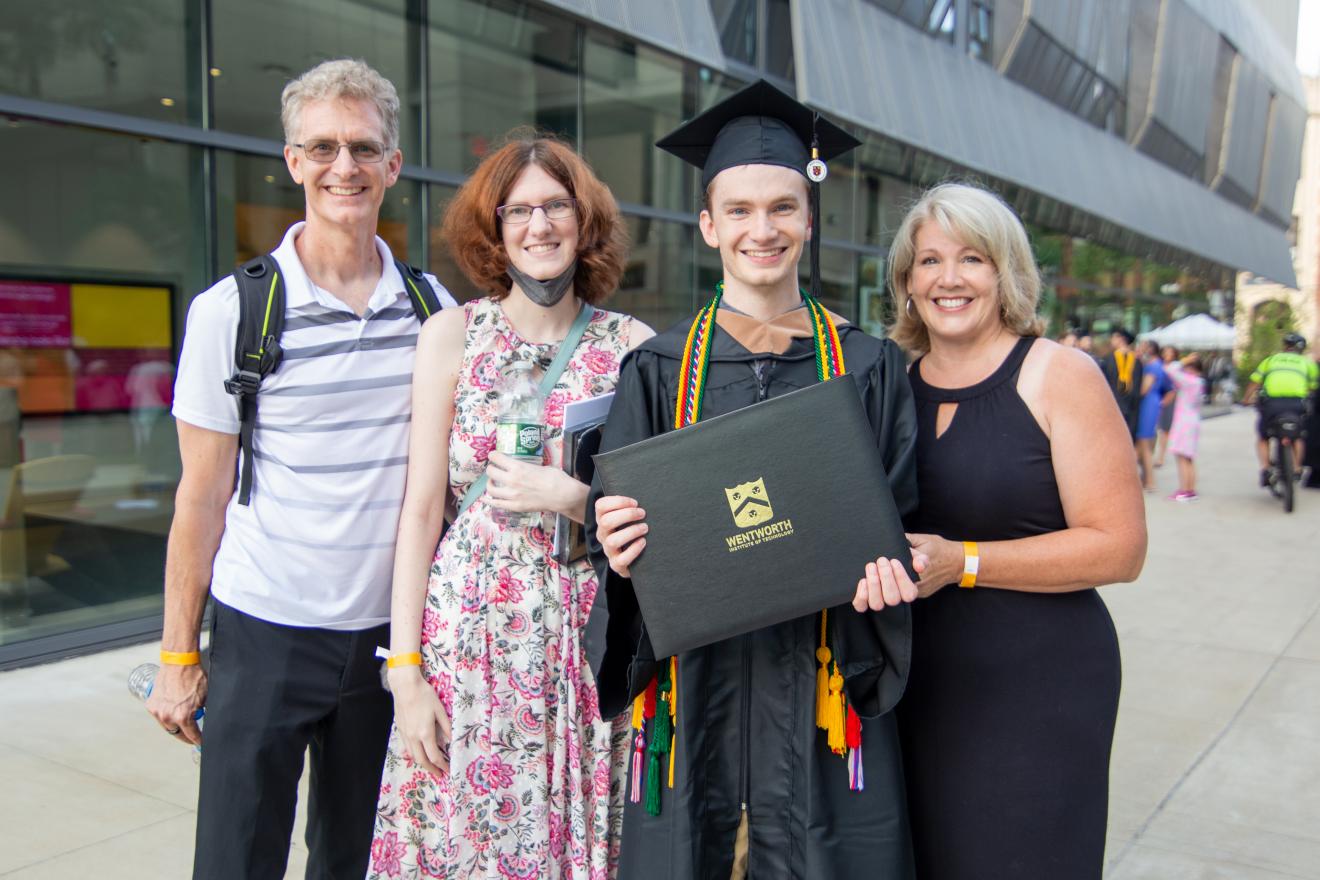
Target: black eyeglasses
(555, 209)
(325, 152)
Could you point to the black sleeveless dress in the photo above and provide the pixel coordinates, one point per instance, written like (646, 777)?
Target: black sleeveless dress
(1009, 713)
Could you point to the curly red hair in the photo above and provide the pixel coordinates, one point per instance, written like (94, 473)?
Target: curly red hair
(472, 231)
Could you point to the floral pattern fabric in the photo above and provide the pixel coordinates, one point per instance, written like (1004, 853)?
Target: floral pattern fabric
(535, 785)
(1185, 432)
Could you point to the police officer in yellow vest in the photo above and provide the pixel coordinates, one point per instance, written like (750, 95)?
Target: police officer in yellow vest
(1283, 383)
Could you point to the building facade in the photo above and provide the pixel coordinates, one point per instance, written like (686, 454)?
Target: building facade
(1260, 299)
(1151, 146)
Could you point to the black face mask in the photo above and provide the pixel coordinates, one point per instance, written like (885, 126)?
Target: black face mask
(547, 292)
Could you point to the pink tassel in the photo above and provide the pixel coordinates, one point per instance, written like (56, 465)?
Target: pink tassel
(856, 778)
(639, 748)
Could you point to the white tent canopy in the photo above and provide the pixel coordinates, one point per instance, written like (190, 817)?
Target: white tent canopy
(1198, 332)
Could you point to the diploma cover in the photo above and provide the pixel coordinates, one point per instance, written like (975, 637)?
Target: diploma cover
(756, 517)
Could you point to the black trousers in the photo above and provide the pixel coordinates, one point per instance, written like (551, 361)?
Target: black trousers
(275, 692)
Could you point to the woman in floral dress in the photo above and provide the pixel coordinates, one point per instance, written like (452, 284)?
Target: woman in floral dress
(499, 765)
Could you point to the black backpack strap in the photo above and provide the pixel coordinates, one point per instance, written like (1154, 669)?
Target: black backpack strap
(257, 349)
(424, 300)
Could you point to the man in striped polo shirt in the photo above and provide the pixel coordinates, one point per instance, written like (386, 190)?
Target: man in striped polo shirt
(301, 575)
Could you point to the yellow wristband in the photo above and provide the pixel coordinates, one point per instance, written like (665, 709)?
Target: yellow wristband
(181, 658)
(396, 660)
(971, 564)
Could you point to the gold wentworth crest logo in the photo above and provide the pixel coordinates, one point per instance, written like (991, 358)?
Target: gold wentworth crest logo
(750, 504)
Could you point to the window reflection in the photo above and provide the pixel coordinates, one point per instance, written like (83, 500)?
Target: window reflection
(657, 284)
(442, 263)
(634, 96)
(126, 57)
(496, 65)
(260, 46)
(95, 260)
(837, 284)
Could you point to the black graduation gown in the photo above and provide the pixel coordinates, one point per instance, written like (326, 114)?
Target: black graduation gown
(1129, 401)
(746, 731)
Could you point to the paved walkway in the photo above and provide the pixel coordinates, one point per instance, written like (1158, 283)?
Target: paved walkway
(1216, 770)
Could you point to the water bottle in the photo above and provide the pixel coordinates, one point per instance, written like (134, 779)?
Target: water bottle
(518, 430)
(140, 682)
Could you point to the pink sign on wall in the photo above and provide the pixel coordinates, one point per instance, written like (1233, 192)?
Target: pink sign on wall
(34, 314)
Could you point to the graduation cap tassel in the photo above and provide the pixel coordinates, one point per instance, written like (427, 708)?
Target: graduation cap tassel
(815, 224)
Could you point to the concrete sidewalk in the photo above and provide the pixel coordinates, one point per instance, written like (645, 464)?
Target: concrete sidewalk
(1216, 770)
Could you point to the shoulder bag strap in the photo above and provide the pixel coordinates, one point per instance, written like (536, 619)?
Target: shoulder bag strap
(257, 349)
(424, 300)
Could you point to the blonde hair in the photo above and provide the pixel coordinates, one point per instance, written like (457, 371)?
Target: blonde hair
(341, 78)
(980, 220)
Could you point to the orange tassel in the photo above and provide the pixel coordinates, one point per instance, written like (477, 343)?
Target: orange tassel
(823, 657)
(834, 714)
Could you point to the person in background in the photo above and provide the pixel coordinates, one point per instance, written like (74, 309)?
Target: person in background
(1312, 460)
(499, 764)
(301, 576)
(1154, 386)
(1122, 369)
(1087, 344)
(1168, 354)
(1028, 501)
(1069, 339)
(1282, 382)
(1185, 433)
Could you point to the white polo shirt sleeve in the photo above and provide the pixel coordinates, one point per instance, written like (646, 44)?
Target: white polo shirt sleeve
(207, 360)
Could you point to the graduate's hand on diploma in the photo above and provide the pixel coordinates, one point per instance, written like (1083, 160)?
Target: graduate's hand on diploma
(421, 718)
(621, 531)
(885, 584)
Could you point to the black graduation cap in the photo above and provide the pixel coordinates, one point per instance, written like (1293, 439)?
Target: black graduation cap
(760, 125)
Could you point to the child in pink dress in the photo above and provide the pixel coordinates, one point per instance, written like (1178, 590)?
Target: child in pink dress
(1185, 433)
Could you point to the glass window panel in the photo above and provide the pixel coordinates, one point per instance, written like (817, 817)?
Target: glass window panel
(836, 200)
(442, 264)
(260, 46)
(736, 22)
(633, 97)
(875, 307)
(97, 260)
(838, 284)
(778, 39)
(127, 57)
(257, 201)
(496, 65)
(657, 284)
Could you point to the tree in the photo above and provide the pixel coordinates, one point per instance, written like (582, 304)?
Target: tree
(1270, 320)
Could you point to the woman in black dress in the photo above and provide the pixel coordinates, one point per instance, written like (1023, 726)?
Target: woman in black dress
(1009, 713)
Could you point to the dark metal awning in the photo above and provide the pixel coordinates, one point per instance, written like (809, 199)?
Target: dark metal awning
(684, 27)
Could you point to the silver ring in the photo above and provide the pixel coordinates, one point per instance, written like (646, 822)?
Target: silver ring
(175, 732)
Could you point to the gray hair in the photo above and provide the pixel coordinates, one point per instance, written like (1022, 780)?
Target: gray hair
(341, 78)
(980, 220)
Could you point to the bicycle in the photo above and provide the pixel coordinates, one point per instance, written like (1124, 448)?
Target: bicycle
(1283, 431)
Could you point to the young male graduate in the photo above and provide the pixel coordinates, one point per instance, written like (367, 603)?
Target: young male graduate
(745, 783)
